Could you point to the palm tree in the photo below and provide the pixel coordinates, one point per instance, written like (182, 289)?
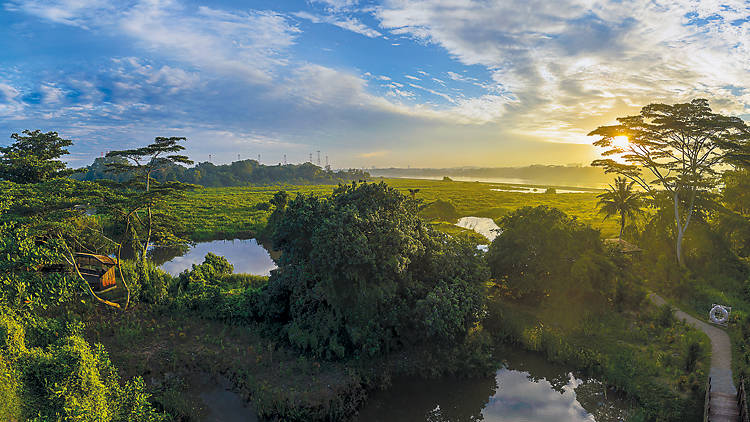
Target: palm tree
(620, 199)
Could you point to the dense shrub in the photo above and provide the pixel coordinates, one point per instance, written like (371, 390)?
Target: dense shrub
(147, 282)
(360, 273)
(543, 252)
(66, 379)
(24, 281)
(440, 210)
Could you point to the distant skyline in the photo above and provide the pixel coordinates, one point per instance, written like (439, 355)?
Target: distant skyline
(392, 83)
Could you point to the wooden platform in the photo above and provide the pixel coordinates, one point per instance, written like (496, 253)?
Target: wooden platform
(722, 407)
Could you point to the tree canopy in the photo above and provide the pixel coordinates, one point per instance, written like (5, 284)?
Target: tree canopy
(360, 273)
(680, 147)
(34, 157)
(542, 251)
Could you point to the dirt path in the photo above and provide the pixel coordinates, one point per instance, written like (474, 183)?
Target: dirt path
(721, 350)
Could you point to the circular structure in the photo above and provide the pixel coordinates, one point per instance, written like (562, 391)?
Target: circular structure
(718, 314)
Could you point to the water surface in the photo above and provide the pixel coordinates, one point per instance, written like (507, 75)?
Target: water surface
(526, 388)
(482, 225)
(246, 255)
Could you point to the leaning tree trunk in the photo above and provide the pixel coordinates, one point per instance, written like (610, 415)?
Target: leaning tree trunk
(622, 225)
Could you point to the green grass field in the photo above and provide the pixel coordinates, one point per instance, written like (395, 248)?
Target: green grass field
(233, 212)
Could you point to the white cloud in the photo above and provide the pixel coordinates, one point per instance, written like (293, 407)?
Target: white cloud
(69, 12)
(563, 62)
(345, 22)
(10, 101)
(414, 78)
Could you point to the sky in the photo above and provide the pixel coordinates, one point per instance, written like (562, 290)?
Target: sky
(420, 83)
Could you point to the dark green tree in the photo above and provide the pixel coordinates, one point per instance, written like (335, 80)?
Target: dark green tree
(620, 199)
(34, 157)
(682, 147)
(543, 252)
(361, 274)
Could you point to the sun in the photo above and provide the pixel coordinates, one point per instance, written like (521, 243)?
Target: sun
(621, 142)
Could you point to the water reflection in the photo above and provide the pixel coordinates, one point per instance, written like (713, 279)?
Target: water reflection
(246, 255)
(527, 388)
(482, 225)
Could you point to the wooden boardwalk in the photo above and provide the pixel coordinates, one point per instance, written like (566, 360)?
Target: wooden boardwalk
(722, 395)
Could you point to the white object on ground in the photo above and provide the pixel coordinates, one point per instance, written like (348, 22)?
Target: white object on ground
(719, 314)
(482, 225)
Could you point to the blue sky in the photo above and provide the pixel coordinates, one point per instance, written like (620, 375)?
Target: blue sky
(386, 83)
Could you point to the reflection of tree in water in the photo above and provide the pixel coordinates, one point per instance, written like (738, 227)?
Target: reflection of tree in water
(162, 254)
(537, 368)
(592, 394)
(441, 400)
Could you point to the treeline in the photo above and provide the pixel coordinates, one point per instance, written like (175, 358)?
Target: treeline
(238, 173)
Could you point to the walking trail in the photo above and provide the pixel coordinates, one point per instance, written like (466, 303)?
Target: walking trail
(723, 397)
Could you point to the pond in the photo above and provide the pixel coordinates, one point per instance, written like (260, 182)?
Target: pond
(246, 255)
(482, 225)
(526, 388)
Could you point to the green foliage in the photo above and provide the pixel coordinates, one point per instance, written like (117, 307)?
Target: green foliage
(359, 272)
(682, 146)
(635, 354)
(65, 379)
(620, 199)
(148, 283)
(34, 157)
(541, 250)
(23, 281)
(439, 210)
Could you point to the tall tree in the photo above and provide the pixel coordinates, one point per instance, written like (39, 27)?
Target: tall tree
(620, 199)
(680, 146)
(141, 164)
(34, 157)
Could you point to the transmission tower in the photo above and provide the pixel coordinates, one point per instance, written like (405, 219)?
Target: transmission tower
(284, 159)
(318, 158)
(311, 158)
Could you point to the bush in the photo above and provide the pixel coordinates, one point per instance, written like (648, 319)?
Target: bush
(66, 379)
(361, 274)
(147, 284)
(440, 210)
(542, 251)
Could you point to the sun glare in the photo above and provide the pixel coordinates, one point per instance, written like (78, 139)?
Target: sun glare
(620, 142)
